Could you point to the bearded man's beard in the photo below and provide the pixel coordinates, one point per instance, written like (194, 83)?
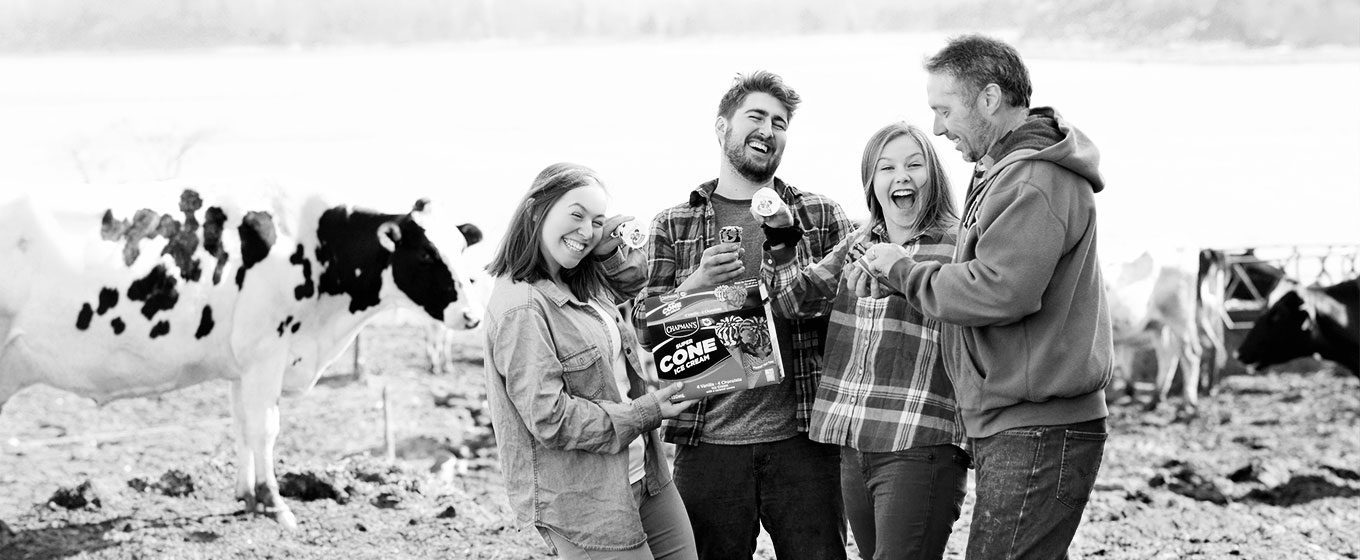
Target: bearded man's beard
(750, 169)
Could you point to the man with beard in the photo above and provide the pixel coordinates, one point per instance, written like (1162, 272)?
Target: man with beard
(1027, 341)
(744, 459)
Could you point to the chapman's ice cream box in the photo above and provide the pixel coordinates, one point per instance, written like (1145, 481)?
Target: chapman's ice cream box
(715, 341)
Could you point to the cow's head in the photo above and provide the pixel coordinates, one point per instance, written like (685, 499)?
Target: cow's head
(1283, 333)
(428, 265)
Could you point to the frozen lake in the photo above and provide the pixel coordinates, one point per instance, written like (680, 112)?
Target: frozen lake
(1194, 154)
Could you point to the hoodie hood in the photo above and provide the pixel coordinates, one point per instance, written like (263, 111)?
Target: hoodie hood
(1046, 136)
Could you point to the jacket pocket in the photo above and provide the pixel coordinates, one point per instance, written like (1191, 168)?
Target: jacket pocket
(583, 373)
(970, 353)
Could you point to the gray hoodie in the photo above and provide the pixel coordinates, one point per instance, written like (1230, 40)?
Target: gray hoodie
(1028, 338)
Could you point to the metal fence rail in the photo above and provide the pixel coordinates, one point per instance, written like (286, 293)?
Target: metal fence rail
(1306, 265)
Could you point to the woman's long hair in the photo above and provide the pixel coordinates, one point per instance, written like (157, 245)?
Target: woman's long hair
(520, 257)
(935, 200)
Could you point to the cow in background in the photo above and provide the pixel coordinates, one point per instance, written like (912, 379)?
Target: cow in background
(1154, 303)
(1305, 321)
(140, 298)
(440, 340)
(1231, 281)
(1212, 299)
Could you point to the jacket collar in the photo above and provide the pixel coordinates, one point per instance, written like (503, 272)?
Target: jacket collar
(554, 292)
(703, 193)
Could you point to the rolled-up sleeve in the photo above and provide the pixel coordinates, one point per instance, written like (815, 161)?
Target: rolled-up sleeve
(524, 352)
(800, 293)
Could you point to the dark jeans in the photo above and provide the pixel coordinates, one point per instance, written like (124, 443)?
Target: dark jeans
(1032, 485)
(792, 487)
(903, 504)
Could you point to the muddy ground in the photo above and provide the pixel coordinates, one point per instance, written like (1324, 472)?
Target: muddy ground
(1270, 468)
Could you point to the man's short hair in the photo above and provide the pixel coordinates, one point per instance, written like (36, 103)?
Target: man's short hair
(976, 60)
(760, 81)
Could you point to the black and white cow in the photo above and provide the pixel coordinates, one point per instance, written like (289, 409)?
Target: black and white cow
(142, 299)
(1307, 321)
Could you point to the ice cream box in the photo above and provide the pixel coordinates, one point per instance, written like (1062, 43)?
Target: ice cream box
(716, 341)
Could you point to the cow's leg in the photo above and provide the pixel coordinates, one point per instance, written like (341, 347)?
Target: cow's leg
(8, 387)
(436, 349)
(1190, 356)
(261, 389)
(267, 487)
(245, 457)
(10, 369)
(1168, 357)
(1212, 338)
(1123, 384)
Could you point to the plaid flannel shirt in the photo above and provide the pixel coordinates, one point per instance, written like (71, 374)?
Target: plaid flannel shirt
(680, 235)
(884, 387)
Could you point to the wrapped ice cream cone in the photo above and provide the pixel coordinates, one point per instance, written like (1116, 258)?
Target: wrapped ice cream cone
(765, 202)
(632, 234)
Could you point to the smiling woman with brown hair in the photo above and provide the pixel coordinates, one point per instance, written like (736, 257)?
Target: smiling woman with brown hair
(884, 396)
(574, 423)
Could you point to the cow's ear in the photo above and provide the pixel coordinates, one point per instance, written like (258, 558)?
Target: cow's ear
(422, 213)
(472, 234)
(389, 234)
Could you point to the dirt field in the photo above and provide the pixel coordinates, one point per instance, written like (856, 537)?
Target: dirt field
(1269, 469)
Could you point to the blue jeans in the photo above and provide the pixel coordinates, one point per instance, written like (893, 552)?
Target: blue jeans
(792, 487)
(1032, 485)
(903, 504)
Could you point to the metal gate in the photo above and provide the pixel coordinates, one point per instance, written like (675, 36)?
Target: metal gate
(1304, 264)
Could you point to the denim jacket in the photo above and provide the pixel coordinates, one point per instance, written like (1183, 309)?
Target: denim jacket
(562, 431)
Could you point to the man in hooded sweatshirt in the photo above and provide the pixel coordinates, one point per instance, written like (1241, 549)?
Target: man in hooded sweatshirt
(1027, 339)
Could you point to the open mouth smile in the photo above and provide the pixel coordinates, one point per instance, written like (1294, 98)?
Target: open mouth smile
(903, 198)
